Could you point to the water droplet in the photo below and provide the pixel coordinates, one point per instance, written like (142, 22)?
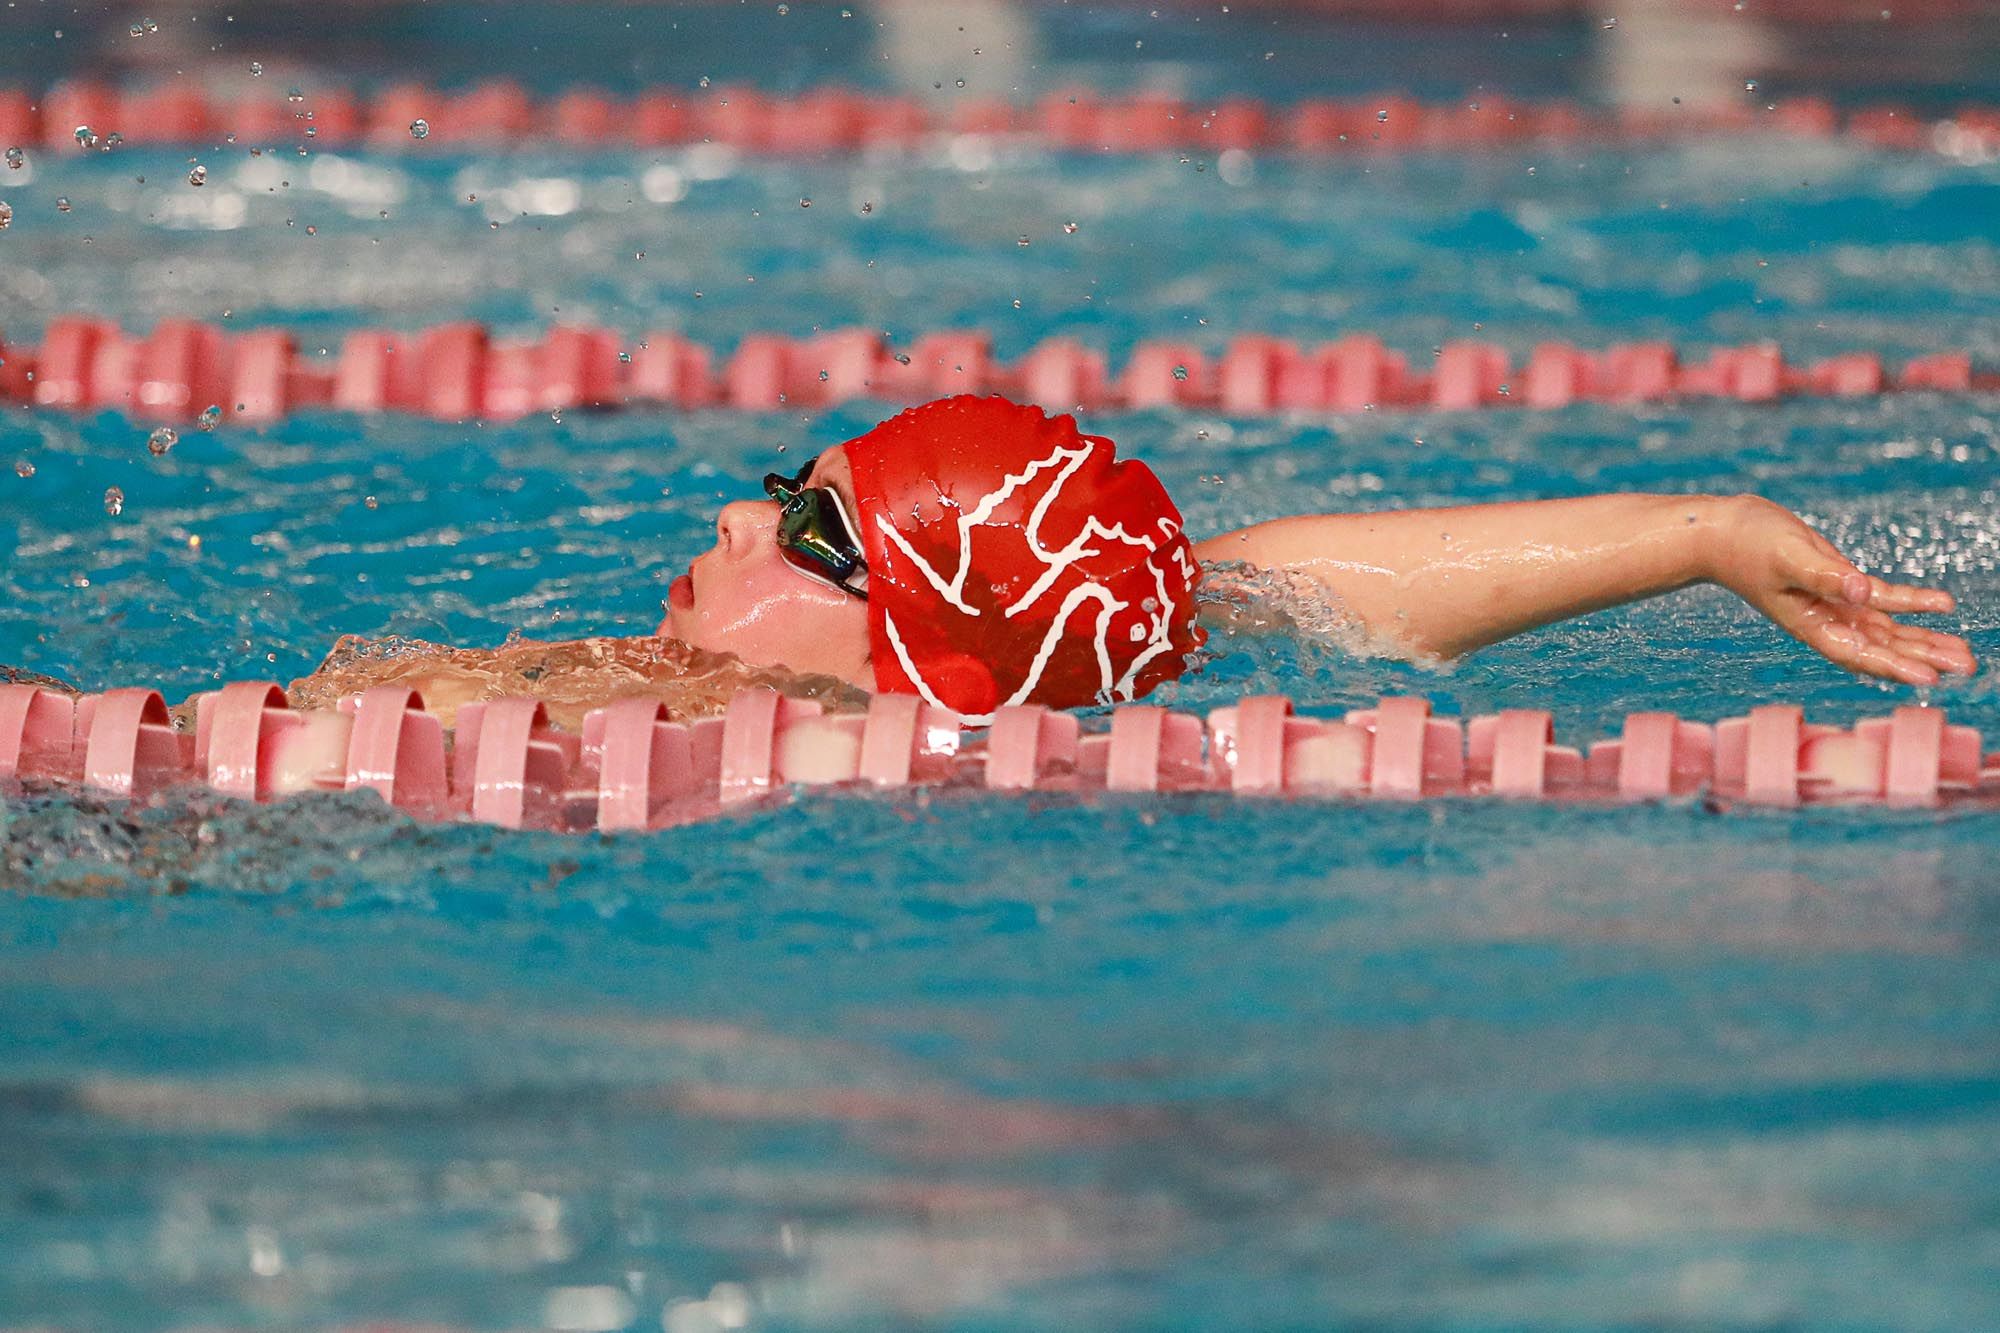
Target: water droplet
(23, 468)
(16, 158)
(824, 377)
(1069, 229)
(112, 140)
(1382, 116)
(1022, 241)
(902, 358)
(294, 95)
(372, 502)
(161, 440)
(420, 129)
(62, 203)
(152, 26)
(209, 416)
(805, 203)
(1749, 85)
(85, 136)
(114, 501)
(848, 13)
(784, 10)
(1609, 24)
(867, 207)
(626, 357)
(6, 214)
(137, 30)
(1180, 372)
(256, 69)
(198, 175)
(704, 80)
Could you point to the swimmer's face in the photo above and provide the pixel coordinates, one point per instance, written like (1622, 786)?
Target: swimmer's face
(741, 597)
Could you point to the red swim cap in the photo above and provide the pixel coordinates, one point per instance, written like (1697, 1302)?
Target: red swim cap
(1012, 559)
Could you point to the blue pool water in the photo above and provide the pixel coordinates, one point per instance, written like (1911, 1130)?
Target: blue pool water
(949, 1061)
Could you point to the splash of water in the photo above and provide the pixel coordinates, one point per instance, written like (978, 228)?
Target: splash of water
(1278, 631)
(571, 678)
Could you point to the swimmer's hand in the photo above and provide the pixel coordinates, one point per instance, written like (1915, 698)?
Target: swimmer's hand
(1767, 555)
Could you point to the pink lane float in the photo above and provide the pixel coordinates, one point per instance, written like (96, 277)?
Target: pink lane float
(500, 116)
(633, 768)
(460, 372)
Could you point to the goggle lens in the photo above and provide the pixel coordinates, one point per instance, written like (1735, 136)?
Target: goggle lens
(815, 535)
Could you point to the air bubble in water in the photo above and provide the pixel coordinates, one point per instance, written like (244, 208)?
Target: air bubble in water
(6, 214)
(256, 69)
(16, 158)
(114, 501)
(209, 416)
(85, 136)
(161, 440)
(198, 175)
(23, 468)
(420, 129)
(62, 203)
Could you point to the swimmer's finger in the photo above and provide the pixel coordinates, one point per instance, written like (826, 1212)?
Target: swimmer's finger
(1825, 572)
(1848, 646)
(1904, 598)
(1828, 574)
(1946, 652)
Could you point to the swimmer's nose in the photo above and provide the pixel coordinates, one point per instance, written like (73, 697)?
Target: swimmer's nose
(741, 526)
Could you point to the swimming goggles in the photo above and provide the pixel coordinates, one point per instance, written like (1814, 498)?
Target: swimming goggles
(815, 534)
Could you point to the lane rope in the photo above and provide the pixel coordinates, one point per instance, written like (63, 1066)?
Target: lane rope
(632, 767)
(83, 115)
(185, 370)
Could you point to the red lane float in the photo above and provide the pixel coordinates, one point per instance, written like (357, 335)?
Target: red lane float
(632, 767)
(500, 116)
(459, 372)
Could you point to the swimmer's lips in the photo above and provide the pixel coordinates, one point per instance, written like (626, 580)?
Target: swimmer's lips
(680, 593)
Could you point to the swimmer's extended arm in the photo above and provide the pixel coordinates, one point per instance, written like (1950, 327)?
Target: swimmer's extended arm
(1447, 581)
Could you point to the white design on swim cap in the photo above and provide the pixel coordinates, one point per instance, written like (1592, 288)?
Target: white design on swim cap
(953, 589)
(1157, 633)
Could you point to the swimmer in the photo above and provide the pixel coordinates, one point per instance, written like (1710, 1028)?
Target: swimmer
(980, 553)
